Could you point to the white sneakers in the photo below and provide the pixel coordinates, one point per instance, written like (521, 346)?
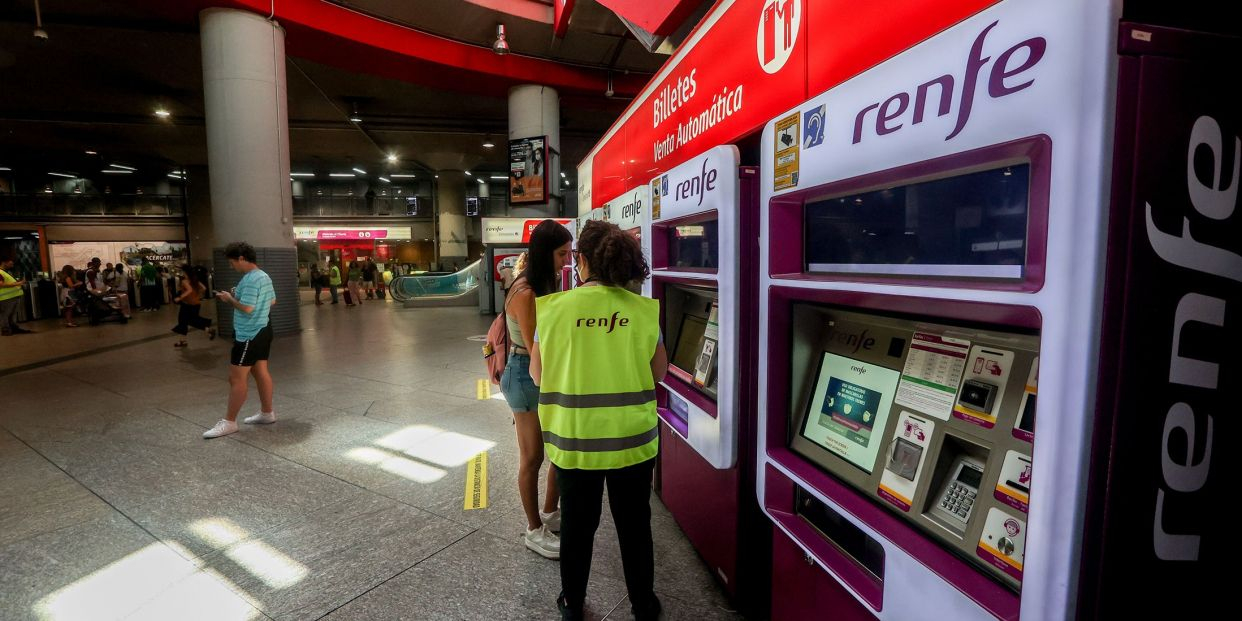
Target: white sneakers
(222, 428)
(262, 418)
(543, 542)
(225, 427)
(551, 520)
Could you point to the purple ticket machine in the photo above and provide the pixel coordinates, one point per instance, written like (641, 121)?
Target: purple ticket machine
(703, 242)
(940, 254)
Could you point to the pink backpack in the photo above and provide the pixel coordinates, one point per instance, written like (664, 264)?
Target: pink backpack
(496, 349)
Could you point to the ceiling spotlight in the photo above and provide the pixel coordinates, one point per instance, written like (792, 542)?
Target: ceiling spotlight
(385, 180)
(562, 174)
(501, 46)
(39, 32)
(353, 117)
(487, 143)
(359, 171)
(91, 152)
(392, 158)
(468, 173)
(162, 113)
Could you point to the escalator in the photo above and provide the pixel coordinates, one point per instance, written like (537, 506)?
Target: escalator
(460, 288)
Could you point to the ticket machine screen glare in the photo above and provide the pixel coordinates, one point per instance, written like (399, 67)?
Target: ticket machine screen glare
(694, 245)
(967, 225)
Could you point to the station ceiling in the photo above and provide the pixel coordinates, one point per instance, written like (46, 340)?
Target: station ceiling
(104, 68)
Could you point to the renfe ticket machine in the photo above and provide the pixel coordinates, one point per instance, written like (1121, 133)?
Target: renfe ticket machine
(703, 244)
(990, 389)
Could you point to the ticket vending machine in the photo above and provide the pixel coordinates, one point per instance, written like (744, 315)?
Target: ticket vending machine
(703, 242)
(959, 414)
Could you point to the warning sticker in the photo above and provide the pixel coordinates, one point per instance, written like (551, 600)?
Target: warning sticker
(785, 166)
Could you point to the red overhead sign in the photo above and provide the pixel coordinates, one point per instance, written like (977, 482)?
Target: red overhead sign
(748, 61)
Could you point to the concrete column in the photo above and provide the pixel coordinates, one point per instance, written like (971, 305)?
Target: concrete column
(536, 111)
(198, 207)
(451, 205)
(248, 151)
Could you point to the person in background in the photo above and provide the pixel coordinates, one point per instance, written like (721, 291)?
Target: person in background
(149, 277)
(368, 278)
(354, 282)
(252, 339)
(334, 278)
(549, 252)
(191, 300)
(97, 284)
(68, 279)
(597, 408)
(316, 282)
(10, 298)
(118, 284)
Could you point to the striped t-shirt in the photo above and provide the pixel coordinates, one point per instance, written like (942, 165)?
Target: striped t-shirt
(255, 289)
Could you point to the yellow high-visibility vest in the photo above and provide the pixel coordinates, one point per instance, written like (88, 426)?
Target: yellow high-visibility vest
(597, 403)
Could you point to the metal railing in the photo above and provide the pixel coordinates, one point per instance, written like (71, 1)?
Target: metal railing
(42, 205)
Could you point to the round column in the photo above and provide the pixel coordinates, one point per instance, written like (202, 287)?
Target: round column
(536, 111)
(451, 205)
(247, 118)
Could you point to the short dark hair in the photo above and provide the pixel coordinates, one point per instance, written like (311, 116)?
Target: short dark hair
(240, 250)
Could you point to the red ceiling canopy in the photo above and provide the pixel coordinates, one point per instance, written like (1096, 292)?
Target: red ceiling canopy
(659, 17)
(334, 35)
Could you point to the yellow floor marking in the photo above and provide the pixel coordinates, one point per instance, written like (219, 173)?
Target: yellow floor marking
(476, 482)
(484, 390)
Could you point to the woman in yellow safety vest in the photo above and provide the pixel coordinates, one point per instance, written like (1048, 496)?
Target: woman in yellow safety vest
(597, 355)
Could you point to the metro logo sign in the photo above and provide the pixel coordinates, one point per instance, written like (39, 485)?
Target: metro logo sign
(778, 33)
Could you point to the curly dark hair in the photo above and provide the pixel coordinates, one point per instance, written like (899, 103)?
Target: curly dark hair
(614, 257)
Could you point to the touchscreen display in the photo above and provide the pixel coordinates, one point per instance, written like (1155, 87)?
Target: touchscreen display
(849, 408)
(686, 351)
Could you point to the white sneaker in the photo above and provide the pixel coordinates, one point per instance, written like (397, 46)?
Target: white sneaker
(543, 542)
(222, 428)
(551, 520)
(262, 418)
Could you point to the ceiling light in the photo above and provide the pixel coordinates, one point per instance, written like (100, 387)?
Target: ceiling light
(437, 176)
(487, 144)
(562, 174)
(403, 176)
(47, 189)
(384, 179)
(90, 152)
(120, 166)
(350, 175)
(62, 175)
(501, 46)
(499, 178)
(360, 171)
(162, 113)
(353, 117)
(481, 180)
(468, 173)
(302, 174)
(392, 158)
(5, 168)
(113, 171)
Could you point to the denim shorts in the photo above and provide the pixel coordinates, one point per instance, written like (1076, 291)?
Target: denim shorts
(518, 387)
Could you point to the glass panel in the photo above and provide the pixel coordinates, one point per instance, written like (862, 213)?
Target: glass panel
(969, 225)
(694, 245)
(457, 283)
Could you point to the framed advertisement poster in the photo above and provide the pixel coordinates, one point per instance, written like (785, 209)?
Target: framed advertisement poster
(528, 170)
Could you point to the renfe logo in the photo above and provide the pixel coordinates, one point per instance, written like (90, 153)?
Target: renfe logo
(779, 23)
(849, 339)
(999, 84)
(603, 322)
(700, 185)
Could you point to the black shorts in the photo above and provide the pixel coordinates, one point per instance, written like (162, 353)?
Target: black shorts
(246, 353)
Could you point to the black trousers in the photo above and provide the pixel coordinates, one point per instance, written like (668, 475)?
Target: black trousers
(582, 497)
